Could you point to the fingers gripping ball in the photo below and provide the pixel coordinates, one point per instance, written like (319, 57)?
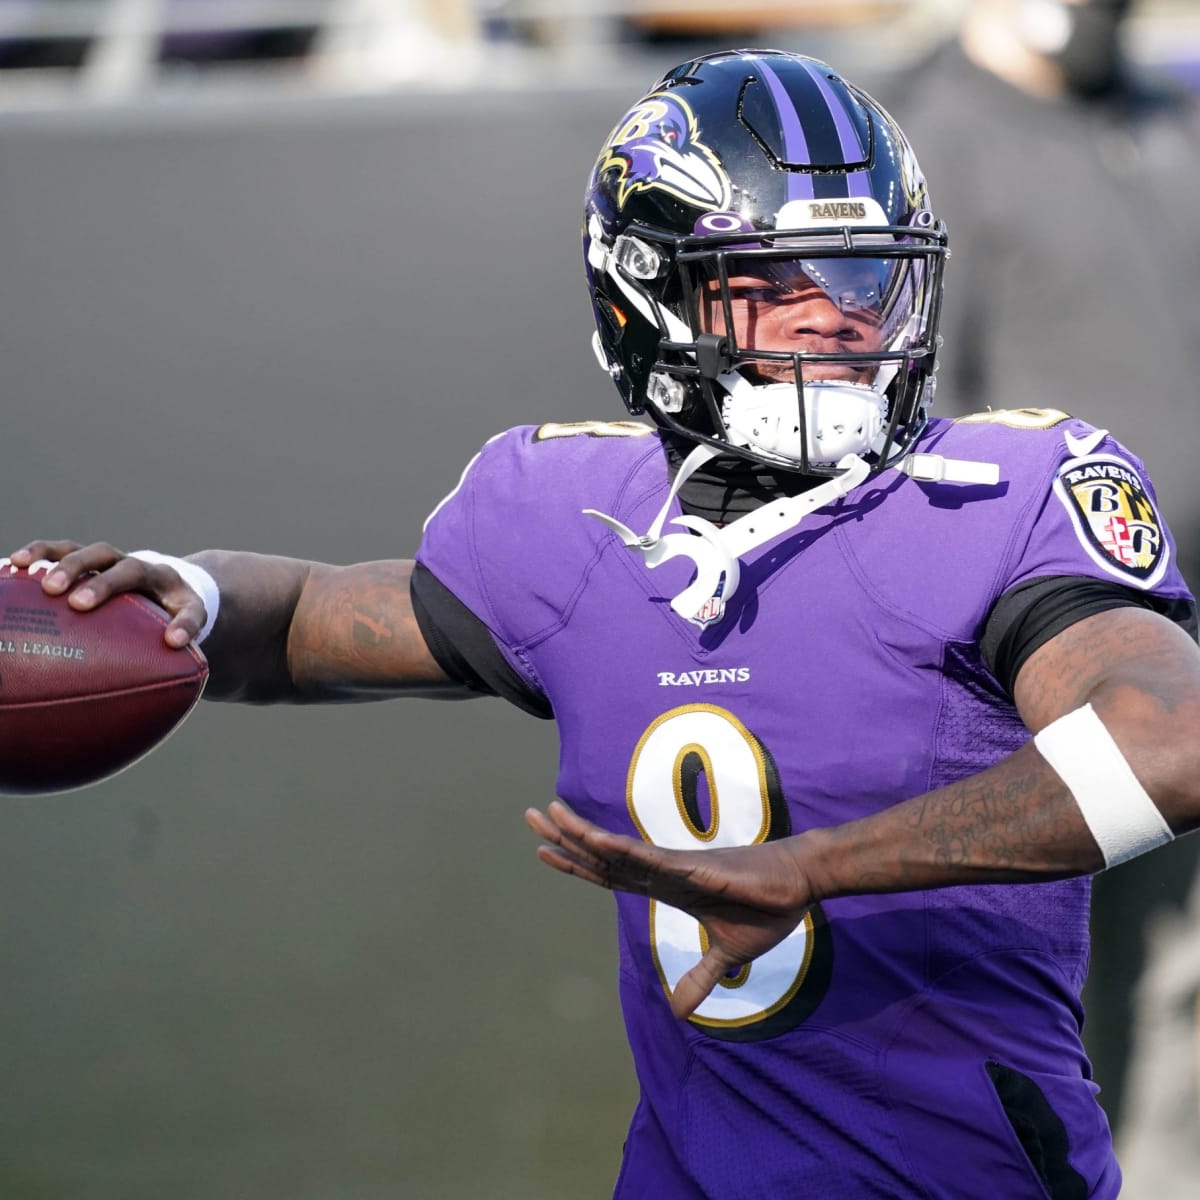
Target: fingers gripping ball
(84, 695)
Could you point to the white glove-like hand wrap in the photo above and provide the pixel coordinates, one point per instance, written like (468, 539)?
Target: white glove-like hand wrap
(197, 578)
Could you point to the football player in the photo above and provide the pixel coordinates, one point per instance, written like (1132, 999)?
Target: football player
(852, 699)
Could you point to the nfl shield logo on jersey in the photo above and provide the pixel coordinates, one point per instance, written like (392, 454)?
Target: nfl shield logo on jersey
(713, 609)
(1114, 517)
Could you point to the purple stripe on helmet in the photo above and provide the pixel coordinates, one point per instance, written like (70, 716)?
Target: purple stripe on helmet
(858, 182)
(795, 144)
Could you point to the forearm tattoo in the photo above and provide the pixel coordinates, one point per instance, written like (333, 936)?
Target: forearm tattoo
(1014, 821)
(355, 634)
(295, 631)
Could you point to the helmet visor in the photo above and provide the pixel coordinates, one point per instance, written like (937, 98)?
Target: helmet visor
(836, 304)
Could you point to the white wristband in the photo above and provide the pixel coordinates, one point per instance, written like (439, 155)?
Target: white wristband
(1119, 812)
(197, 578)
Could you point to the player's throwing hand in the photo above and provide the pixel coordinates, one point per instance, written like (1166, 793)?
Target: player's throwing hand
(747, 898)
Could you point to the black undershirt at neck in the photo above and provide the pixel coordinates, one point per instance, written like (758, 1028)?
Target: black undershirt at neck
(726, 488)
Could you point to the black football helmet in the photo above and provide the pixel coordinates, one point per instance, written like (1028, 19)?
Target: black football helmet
(765, 166)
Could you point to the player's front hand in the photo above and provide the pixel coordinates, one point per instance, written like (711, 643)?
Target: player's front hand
(747, 898)
(94, 573)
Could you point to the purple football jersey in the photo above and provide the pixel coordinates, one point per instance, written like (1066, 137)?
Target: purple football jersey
(874, 1052)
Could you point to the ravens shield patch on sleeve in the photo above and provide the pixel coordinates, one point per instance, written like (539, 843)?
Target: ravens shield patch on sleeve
(1114, 517)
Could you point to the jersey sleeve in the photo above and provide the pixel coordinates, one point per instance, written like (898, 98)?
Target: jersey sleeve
(1095, 514)
(476, 543)
(464, 647)
(1032, 613)
(1093, 539)
(512, 548)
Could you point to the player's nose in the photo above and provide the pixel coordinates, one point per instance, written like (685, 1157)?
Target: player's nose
(817, 318)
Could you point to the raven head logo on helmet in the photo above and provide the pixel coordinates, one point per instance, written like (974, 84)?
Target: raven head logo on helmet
(656, 146)
(764, 266)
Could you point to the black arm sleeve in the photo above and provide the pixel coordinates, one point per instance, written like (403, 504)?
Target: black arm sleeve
(464, 647)
(1030, 614)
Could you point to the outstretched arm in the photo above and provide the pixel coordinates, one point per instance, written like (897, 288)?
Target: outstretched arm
(1014, 822)
(288, 630)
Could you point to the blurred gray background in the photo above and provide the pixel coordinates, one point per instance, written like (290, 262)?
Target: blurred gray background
(300, 953)
(304, 954)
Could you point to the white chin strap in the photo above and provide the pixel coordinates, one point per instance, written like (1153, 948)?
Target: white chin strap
(716, 550)
(841, 418)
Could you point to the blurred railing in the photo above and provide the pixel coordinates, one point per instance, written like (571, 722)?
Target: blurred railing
(89, 51)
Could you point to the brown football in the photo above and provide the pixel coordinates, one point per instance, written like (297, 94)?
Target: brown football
(84, 695)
